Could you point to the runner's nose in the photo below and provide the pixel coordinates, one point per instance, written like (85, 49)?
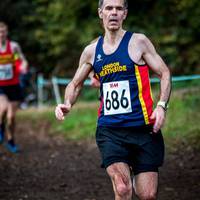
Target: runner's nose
(114, 11)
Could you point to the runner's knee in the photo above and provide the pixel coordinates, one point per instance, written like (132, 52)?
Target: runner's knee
(146, 195)
(3, 111)
(123, 190)
(10, 120)
(122, 185)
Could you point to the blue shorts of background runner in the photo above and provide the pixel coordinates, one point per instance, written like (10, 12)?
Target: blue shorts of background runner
(136, 146)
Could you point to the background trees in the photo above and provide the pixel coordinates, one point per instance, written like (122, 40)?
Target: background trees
(53, 33)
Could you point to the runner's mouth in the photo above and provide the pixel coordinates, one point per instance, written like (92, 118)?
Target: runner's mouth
(113, 20)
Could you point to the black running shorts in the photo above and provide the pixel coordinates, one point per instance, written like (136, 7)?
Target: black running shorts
(13, 92)
(141, 149)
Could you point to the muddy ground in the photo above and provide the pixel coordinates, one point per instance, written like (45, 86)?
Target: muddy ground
(51, 168)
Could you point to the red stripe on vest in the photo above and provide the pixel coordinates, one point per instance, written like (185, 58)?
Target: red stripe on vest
(146, 90)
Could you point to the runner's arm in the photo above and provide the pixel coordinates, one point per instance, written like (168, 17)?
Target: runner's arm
(73, 89)
(159, 67)
(156, 63)
(94, 82)
(19, 54)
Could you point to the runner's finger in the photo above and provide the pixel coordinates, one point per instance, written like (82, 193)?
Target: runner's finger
(156, 124)
(59, 113)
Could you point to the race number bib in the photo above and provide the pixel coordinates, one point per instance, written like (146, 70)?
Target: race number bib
(116, 98)
(6, 72)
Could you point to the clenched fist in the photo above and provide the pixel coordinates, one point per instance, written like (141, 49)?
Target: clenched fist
(62, 109)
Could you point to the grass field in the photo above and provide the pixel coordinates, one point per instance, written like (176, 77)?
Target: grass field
(182, 123)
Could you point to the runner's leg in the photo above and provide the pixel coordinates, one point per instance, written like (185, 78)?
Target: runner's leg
(121, 180)
(3, 110)
(12, 108)
(146, 185)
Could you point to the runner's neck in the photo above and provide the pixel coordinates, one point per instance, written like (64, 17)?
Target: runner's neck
(113, 38)
(2, 45)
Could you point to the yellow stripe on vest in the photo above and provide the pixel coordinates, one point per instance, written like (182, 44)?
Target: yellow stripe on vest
(4, 59)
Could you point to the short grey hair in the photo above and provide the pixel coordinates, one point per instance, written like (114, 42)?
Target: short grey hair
(125, 3)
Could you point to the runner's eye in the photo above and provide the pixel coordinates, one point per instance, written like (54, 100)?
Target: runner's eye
(108, 8)
(120, 8)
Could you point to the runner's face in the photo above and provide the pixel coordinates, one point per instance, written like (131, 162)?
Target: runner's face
(3, 33)
(113, 14)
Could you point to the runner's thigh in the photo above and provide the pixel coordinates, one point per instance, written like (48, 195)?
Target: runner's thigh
(3, 103)
(146, 184)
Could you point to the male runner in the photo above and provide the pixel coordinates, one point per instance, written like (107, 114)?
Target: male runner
(12, 63)
(128, 131)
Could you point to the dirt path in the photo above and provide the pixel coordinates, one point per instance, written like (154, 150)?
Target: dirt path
(51, 168)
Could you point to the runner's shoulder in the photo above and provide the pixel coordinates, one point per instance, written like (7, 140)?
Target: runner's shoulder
(139, 38)
(14, 46)
(89, 50)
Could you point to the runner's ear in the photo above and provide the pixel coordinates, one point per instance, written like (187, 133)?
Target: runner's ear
(125, 14)
(100, 13)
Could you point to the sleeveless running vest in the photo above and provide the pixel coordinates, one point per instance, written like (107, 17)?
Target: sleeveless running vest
(125, 90)
(9, 66)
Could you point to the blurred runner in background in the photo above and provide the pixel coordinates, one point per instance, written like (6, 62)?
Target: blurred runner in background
(12, 64)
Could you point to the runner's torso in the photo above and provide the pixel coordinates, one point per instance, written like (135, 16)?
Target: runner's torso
(125, 87)
(9, 66)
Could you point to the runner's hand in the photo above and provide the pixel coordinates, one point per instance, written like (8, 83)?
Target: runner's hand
(94, 82)
(62, 109)
(159, 116)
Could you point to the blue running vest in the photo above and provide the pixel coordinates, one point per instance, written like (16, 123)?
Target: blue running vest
(125, 90)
